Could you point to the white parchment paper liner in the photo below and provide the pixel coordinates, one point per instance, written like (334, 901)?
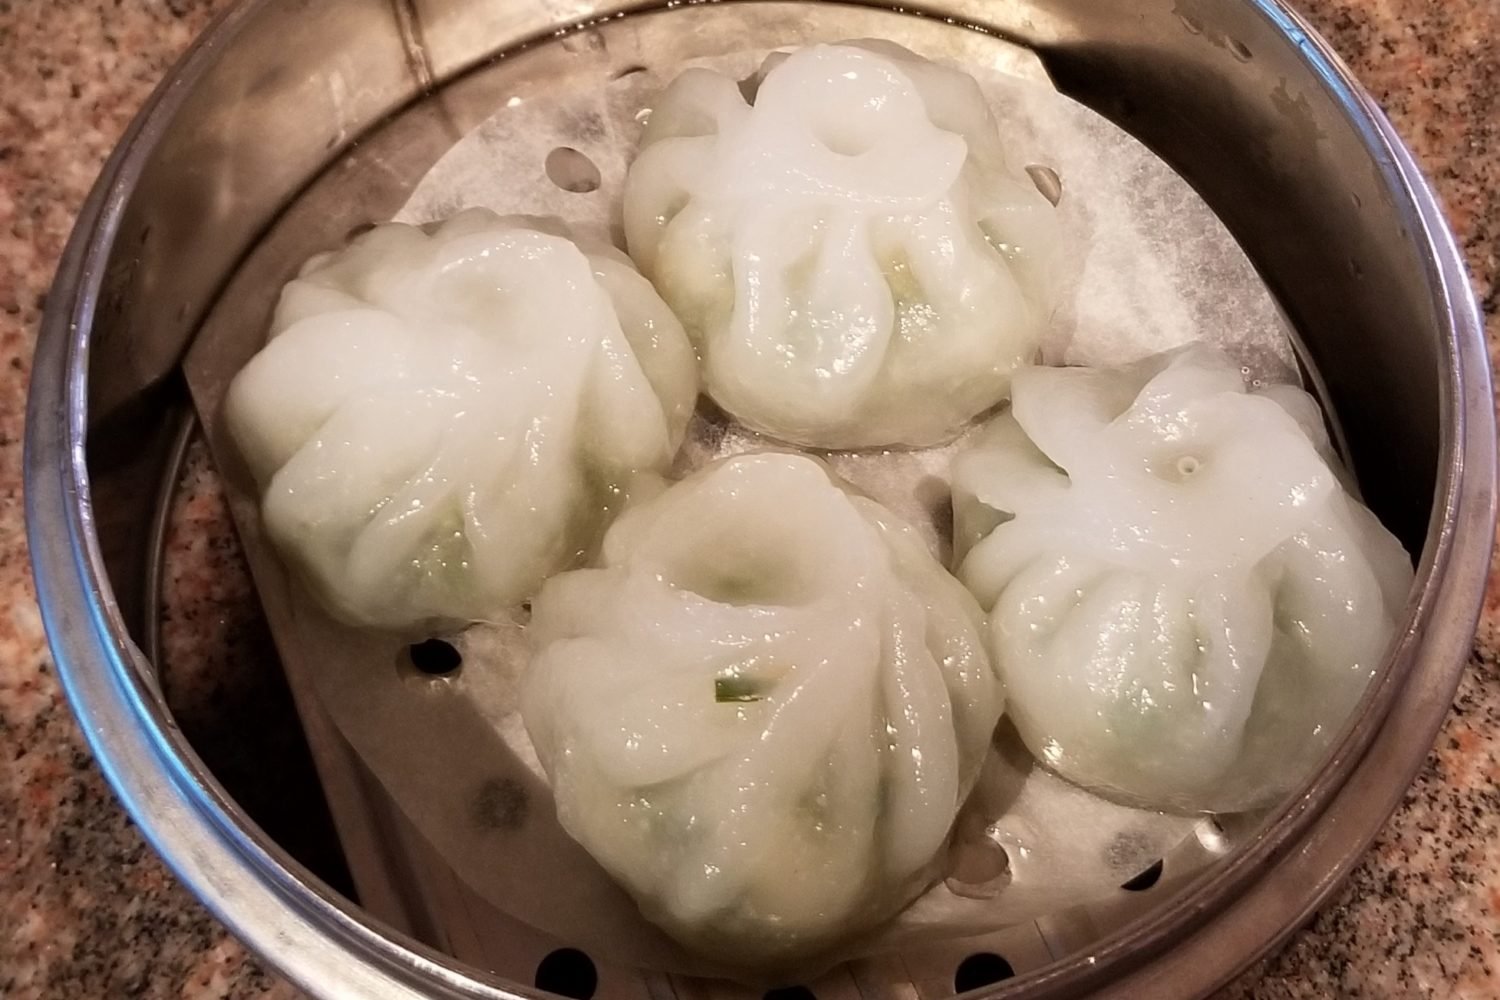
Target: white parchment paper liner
(1154, 268)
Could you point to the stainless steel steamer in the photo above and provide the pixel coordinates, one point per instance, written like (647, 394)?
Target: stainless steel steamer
(1238, 95)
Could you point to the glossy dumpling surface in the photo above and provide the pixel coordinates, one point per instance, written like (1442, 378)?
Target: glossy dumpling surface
(853, 255)
(763, 710)
(443, 416)
(1184, 601)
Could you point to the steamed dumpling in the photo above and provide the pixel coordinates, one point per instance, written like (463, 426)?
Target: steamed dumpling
(764, 709)
(1184, 602)
(444, 416)
(855, 259)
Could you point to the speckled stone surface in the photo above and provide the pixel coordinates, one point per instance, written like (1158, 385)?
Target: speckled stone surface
(86, 909)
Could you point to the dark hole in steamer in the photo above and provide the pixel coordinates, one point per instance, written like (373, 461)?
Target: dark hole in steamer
(1144, 880)
(567, 972)
(500, 804)
(790, 993)
(978, 868)
(435, 657)
(1212, 836)
(1047, 182)
(572, 171)
(979, 970)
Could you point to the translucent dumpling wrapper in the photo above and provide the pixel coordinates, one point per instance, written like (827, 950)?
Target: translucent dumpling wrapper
(855, 258)
(763, 711)
(1184, 601)
(443, 416)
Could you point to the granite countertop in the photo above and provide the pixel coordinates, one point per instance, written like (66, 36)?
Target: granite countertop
(87, 910)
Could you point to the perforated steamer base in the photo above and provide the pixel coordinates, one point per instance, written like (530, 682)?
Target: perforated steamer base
(552, 162)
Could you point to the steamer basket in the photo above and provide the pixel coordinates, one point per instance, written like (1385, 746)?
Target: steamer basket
(281, 95)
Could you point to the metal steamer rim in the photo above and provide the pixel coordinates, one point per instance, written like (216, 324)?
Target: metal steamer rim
(330, 947)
